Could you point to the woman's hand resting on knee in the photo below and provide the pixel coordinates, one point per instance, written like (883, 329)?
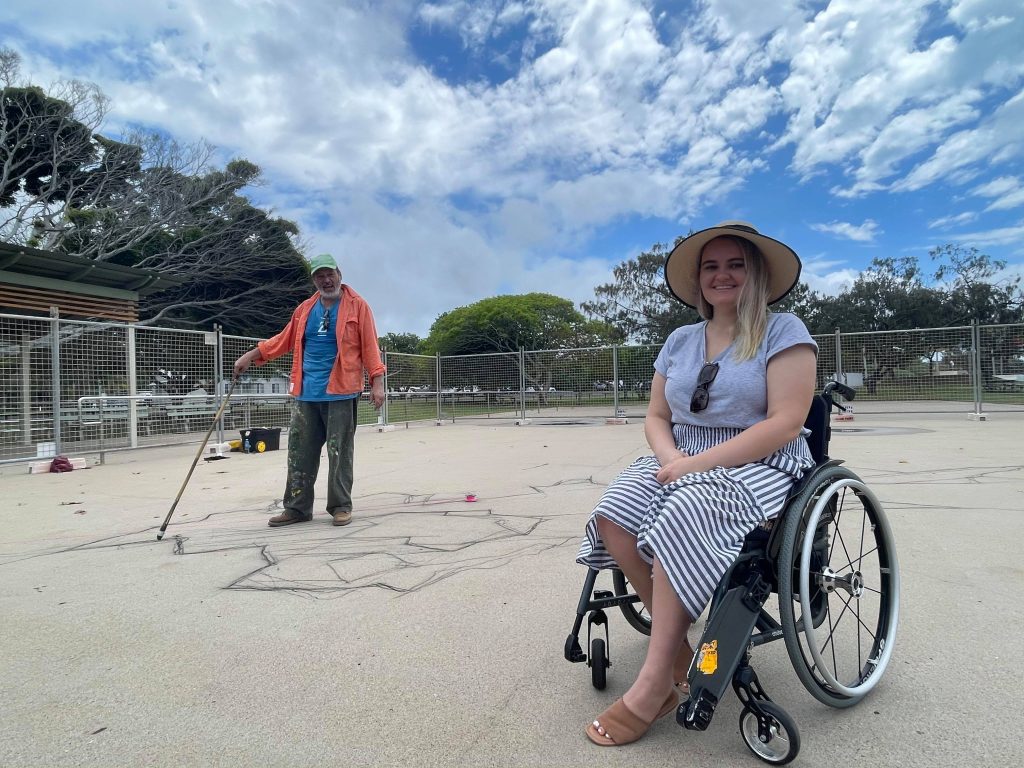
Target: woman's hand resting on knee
(682, 465)
(667, 457)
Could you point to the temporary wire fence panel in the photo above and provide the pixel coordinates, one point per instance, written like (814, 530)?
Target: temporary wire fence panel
(636, 370)
(561, 382)
(260, 398)
(922, 370)
(1001, 366)
(480, 386)
(177, 370)
(94, 362)
(828, 360)
(412, 387)
(26, 388)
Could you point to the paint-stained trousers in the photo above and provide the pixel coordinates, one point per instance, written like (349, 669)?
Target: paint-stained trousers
(313, 425)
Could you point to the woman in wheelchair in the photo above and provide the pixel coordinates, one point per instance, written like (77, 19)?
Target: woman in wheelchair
(728, 402)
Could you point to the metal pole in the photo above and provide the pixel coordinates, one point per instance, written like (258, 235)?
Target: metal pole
(840, 377)
(55, 371)
(218, 377)
(103, 429)
(133, 406)
(976, 365)
(384, 408)
(522, 380)
(437, 380)
(26, 388)
(615, 380)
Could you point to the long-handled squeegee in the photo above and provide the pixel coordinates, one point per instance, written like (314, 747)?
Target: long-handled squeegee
(195, 461)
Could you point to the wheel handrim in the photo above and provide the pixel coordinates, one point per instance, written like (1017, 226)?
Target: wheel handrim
(850, 588)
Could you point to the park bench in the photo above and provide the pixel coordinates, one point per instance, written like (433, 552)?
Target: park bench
(82, 420)
(1007, 382)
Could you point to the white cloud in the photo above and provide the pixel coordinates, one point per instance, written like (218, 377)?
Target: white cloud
(417, 262)
(829, 283)
(863, 89)
(851, 66)
(1000, 136)
(1011, 235)
(945, 222)
(862, 233)
(1008, 192)
(906, 135)
(733, 18)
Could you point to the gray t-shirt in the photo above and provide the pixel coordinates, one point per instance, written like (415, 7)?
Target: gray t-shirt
(739, 393)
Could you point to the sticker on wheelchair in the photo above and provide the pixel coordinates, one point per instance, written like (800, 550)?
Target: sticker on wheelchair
(707, 659)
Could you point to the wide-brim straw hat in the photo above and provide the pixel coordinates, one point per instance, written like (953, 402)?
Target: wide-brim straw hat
(681, 265)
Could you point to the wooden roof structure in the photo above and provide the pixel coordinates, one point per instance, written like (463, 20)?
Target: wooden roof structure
(34, 280)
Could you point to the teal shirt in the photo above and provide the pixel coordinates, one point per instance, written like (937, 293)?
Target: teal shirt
(319, 351)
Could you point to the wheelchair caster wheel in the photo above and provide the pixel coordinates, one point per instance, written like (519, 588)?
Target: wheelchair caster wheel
(598, 664)
(775, 739)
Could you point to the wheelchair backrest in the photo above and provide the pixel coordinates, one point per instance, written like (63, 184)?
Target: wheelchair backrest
(821, 431)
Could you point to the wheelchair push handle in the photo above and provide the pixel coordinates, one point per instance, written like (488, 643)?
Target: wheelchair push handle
(834, 386)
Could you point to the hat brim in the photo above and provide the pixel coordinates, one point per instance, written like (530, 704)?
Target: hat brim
(681, 265)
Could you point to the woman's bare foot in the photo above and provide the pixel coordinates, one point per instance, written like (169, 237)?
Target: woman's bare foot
(681, 667)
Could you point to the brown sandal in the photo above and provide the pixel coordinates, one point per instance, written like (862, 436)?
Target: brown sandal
(619, 719)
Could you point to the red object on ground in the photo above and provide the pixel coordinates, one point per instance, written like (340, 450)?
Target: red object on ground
(470, 497)
(61, 464)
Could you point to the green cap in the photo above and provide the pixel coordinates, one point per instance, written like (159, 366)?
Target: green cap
(323, 261)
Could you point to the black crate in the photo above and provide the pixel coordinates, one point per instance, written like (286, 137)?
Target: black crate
(261, 439)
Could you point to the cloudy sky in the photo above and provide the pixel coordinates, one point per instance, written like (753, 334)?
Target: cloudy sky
(453, 150)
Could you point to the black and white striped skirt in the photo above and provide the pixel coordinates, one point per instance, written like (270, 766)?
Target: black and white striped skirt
(694, 526)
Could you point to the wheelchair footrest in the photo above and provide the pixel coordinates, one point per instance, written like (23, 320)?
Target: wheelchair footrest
(573, 652)
(695, 715)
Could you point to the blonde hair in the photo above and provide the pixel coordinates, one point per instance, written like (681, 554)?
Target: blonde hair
(752, 307)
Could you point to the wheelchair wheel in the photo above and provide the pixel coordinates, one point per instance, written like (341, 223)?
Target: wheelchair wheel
(636, 613)
(781, 741)
(839, 587)
(598, 664)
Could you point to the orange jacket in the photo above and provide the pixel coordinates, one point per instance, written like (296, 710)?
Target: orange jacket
(357, 345)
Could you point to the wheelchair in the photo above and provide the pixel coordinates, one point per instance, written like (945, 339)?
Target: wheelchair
(831, 559)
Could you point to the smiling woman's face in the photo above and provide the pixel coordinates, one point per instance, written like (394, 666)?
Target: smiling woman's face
(723, 271)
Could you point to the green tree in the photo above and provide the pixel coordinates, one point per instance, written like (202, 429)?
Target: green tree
(801, 301)
(510, 323)
(405, 343)
(638, 303)
(547, 326)
(144, 201)
(46, 140)
(972, 289)
(888, 295)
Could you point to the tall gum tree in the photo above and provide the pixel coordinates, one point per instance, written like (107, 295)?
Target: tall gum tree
(143, 200)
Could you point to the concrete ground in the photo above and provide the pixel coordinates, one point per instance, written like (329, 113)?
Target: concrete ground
(429, 632)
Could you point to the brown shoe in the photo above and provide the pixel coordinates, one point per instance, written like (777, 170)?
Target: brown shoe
(342, 518)
(286, 518)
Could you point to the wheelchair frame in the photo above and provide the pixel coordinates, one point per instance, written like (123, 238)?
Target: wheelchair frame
(794, 559)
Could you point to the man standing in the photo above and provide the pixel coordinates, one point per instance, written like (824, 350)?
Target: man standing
(332, 339)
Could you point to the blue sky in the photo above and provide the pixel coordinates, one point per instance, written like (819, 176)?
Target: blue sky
(450, 151)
